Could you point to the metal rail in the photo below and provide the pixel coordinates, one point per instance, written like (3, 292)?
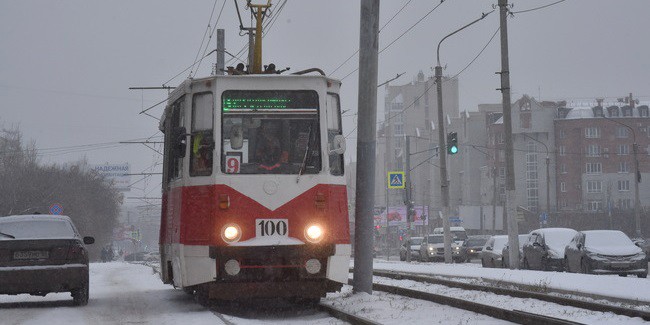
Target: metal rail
(519, 294)
(344, 316)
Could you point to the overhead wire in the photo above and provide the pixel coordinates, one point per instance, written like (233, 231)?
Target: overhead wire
(538, 8)
(206, 32)
(214, 28)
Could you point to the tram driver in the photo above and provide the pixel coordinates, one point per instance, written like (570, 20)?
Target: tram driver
(269, 151)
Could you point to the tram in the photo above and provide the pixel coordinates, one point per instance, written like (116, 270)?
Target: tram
(254, 201)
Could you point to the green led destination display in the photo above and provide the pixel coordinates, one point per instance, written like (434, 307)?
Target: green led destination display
(255, 100)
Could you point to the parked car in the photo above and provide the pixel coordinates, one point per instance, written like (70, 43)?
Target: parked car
(644, 244)
(505, 261)
(544, 249)
(491, 253)
(414, 248)
(472, 247)
(605, 252)
(40, 254)
(433, 248)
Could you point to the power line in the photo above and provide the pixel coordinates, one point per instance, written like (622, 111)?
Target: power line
(214, 28)
(538, 8)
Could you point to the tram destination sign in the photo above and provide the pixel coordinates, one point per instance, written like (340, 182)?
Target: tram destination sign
(269, 100)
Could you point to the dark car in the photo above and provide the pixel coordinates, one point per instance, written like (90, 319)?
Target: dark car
(472, 247)
(605, 252)
(644, 244)
(415, 248)
(544, 249)
(491, 254)
(40, 254)
(505, 261)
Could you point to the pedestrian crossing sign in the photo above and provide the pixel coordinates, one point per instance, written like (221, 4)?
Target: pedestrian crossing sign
(396, 180)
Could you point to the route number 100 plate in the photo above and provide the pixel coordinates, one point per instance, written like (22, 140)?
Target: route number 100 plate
(271, 227)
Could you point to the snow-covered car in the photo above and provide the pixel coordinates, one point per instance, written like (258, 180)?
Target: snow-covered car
(544, 249)
(505, 252)
(415, 248)
(472, 247)
(433, 248)
(40, 254)
(605, 252)
(644, 244)
(491, 253)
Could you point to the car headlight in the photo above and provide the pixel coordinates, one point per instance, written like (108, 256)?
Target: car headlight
(457, 248)
(314, 233)
(231, 233)
(430, 248)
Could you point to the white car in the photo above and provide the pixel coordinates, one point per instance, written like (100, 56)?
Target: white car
(433, 248)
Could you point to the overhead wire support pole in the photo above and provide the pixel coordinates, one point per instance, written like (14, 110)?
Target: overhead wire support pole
(366, 143)
(444, 181)
(511, 194)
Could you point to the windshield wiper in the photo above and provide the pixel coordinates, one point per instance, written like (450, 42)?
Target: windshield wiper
(8, 235)
(304, 159)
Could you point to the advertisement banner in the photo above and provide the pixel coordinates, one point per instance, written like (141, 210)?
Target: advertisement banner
(116, 174)
(397, 216)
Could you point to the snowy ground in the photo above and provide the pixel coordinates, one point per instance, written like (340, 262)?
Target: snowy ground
(123, 293)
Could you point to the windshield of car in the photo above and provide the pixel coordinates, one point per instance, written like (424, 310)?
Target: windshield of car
(33, 229)
(435, 239)
(499, 242)
(607, 238)
(557, 239)
(475, 241)
(459, 235)
(416, 241)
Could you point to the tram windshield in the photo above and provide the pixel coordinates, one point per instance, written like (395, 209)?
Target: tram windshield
(270, 132)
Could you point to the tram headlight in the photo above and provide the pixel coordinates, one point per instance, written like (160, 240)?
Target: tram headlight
(314, 233)
(231, 233)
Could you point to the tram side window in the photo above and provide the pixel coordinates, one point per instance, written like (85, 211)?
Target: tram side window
(202, 141)
(334, 128)
(176, 140)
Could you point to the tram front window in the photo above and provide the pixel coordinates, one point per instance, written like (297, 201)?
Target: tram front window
(270, 132)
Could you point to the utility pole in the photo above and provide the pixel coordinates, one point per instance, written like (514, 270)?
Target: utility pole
(408, 196)
(366, 142)
(511, 194)
(221, 49)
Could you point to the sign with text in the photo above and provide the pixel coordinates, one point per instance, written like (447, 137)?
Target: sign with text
(116, 174)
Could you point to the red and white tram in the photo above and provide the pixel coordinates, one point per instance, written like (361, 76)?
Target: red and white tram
(254, 193)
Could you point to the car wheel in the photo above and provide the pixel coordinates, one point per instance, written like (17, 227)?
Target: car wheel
(567, 268)
(642, 275)
(483, 264)
(80, 296)
(402, 258)
(584, 266)
(623, 275)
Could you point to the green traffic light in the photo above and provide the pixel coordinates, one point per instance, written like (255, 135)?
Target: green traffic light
(453, 149)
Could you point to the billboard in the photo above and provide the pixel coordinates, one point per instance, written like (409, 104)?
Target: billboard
(116, 174)
(397, 216)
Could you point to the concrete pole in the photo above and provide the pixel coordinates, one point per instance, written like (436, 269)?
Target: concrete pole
(221, 48)
(444, 182)
(408, 196)
(637, 180)
(251, 48)
(365, 192)
(511, 194)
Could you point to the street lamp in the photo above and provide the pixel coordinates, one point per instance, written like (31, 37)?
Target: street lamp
(548, 177)
(637, 176)
(444, 182)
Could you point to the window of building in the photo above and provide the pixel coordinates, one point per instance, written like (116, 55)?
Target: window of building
(594, 168)
(595, 206)
(623, 185)
(563, 168)
(594, 186)
(622, 132)
(532, 176)
(625, 204)
(627, 111)
(562, 150)
(623, 167)
(501, 138)
(592, 132)
(593, 150)
(399, 129)
(562, 134)
(502, 155)
(563, 203)
(562, 187)
(613, 111)
(623, 149)
(643, 111)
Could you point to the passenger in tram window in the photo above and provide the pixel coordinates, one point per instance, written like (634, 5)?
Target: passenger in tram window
(201, 163)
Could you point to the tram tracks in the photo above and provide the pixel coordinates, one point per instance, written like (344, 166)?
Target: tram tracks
(507, 314)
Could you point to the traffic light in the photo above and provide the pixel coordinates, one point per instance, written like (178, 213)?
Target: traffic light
(452, 143)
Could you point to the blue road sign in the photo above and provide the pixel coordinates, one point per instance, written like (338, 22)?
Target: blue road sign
(396, 180)
(56, 208)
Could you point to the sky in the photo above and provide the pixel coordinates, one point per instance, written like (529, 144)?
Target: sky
(122, 293)
(66, 66)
